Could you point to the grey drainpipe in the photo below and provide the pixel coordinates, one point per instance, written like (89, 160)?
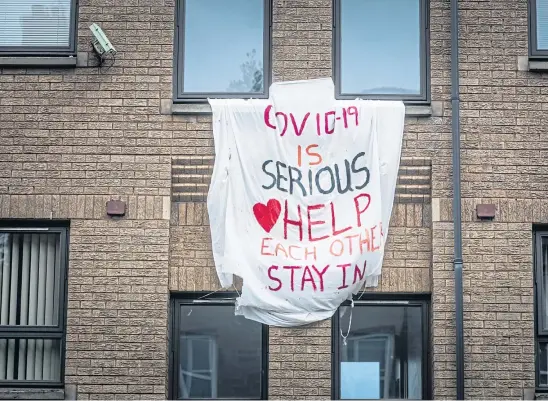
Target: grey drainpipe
(457, 220)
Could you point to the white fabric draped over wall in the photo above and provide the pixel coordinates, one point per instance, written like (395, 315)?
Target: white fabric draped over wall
(30, 284)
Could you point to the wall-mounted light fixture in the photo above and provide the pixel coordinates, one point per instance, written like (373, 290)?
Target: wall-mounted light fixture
(116, 208)
(485, 211)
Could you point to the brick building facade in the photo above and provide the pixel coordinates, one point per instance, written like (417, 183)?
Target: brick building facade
(76, 136)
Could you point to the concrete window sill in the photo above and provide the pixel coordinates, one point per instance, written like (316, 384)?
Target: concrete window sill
(31, 394)
(168, 107)
(31, 61)
(538, 65)
(535, 65)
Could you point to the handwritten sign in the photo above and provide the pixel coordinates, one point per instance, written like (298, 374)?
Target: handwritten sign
(301, 197)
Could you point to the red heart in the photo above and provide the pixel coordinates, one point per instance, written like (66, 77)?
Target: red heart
(267, 215)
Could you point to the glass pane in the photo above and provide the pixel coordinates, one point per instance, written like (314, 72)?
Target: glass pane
(22, 359)
(199, 388)
(382, 357)
(200, 349)
(544, 292)
(220, 354)
(542, 24)
(414, 353)
(543, 364)
(223, 46)
(35, 23)
(30, 279)
(380, 47)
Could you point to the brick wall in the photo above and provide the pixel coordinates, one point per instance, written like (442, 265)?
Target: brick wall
(73, 138)
(300, 358)
(498, 296)
(117, 291)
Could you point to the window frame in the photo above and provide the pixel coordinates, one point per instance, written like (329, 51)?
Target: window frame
(205, 298)
(421, 300)
(541, 335)
(180, 96)
(52, 51)
(534, 51)
(54, 332)
(540, 312)
(423, 97)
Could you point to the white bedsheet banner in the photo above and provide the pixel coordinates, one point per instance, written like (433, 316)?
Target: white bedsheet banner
(301, 197)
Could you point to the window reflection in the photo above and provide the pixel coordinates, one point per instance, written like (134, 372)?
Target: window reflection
(223, 46)
(380, 47)
(542, 24)
(220, 354)
(35, 23)
(382, 357)
(543, 364)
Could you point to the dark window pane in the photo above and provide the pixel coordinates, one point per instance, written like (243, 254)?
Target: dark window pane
(382, 357)
(542, 24)
(30, 279)
(380, 47)
(220, 354)
(36, 359)
(35, 23)
(223, 46)
(543, 364)
(543, 309)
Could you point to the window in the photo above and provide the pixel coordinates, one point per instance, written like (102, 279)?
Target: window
(538, 28)
(32, 312)
(381, 49)
(216, 355)
(222, 49)
(385, 354)
(37, 27)
(541, 287)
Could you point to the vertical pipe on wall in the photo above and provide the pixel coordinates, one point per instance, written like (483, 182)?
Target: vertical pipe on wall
(457, 222)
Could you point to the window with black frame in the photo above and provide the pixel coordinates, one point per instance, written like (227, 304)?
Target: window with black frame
(381, 350)
(222, 49)
(541, 287)
(216, 355)
(538, 28)
(33, 264)
(38, 27)
(381, 49)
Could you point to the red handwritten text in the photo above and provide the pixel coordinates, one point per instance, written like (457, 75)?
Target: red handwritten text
(309, 224)
(303, 277)
(325, 122)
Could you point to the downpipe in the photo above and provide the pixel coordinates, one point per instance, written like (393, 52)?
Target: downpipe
(457, 215)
